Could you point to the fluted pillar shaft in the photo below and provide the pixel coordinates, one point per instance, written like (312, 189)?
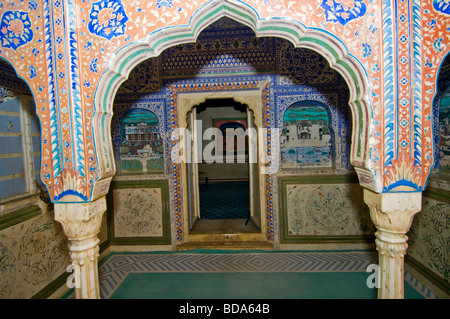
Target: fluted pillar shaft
(392, 214)
(81, 223)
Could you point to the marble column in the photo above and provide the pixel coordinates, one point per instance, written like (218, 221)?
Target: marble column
(392, 214)
(81, 223)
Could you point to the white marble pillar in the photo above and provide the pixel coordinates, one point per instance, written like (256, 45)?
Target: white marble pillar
(81, 223)
(392, 214)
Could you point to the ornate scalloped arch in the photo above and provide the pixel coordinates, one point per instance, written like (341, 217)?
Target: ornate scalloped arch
(323, 42)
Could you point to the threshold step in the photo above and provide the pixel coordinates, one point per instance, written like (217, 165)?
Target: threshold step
(228, 245)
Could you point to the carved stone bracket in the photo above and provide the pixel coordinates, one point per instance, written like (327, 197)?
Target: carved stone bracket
(81, 223)
(392, 214)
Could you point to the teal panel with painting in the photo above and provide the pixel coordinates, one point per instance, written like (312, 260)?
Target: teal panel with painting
(306, 137)
(141, 147)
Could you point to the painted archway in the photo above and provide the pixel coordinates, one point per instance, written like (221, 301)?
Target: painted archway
(73, 63)
(325, 43)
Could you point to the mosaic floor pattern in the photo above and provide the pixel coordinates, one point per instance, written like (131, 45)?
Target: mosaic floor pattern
(144, 273)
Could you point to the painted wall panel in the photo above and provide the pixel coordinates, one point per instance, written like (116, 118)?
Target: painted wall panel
(32, 255)
(12, 187)
(429, 237)
(11, 144)
(323, 210)
(10, 105)
(10, 124)
(11, 166)
(138, 212)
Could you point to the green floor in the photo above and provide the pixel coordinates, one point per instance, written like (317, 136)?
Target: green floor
(249, 286)
(217, 274)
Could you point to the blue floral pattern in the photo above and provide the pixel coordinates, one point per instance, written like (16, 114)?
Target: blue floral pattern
(33, 5)
(15, 29)
(442, 6)
(164, 3)
(343, 11)
(108, 18)
(33, 71)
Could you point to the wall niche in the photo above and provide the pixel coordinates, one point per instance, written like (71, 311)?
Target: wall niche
(306, 137)
(141, 146)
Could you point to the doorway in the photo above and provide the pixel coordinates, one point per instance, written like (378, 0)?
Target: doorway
(220, 180)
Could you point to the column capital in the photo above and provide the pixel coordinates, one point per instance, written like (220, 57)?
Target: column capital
(81, 220)
(393, 212)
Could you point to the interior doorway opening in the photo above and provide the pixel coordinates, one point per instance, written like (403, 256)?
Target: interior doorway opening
(222, 178)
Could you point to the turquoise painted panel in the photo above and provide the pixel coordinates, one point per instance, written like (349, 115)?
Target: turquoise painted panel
(10, 124)
(306, 137)
(12, 187)
(10, 144)
(11, 166)
(10, 105)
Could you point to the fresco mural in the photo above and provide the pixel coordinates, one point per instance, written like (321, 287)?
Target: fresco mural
(306, 137)
(141, 147)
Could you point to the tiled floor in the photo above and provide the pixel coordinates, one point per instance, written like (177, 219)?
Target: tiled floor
(224, 200)
(202, 273)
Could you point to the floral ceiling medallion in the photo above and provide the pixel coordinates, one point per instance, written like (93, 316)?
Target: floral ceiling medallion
(15, 29)
(343, 11)
(108, 18)
(442, 6)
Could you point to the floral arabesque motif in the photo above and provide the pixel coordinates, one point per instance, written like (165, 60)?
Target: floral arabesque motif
(8, 269)
(434, 228)
(139, 213)
(343, 11)
(108, 19)
(43, 251)
(15, 29)
(442, 6)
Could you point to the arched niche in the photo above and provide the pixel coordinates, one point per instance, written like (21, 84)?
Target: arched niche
(20, 144)
(307, 139)
(441, 127)
(140, 148)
